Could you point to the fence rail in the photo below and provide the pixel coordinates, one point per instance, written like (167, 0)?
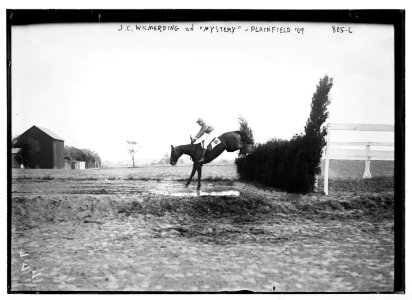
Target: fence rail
(359, 154)
(361, 127)
(381, 144)
(333, 151)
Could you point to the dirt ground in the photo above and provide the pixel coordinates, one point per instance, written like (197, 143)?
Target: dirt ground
(124, 233)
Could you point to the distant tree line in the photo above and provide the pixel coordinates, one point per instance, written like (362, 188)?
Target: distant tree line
(90, 157)
(166, 160)
(291, 165)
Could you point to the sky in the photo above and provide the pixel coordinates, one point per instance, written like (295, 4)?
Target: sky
(99, 85)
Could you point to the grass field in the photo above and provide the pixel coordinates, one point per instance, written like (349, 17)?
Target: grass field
(355, 168)
(148, 172)
(338, 169)
(140, 229)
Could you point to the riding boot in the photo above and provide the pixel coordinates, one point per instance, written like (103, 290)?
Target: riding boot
(203, 156)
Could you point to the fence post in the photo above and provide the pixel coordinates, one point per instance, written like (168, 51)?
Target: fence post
(355, 154)
(326, 175)
(367, 173)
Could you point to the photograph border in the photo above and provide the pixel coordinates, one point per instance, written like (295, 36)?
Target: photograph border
(393, 17)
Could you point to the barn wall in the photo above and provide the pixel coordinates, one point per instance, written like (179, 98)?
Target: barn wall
(44, 158)
(58, 154)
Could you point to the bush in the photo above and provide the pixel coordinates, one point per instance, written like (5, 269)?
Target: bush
(29, 149)
(291, 165)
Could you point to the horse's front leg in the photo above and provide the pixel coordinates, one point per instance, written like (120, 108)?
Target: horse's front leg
(191, 175)
(199, 176)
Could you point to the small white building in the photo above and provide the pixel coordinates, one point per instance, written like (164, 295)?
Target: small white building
(78, 165)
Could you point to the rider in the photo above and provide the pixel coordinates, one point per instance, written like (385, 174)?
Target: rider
(203, 135)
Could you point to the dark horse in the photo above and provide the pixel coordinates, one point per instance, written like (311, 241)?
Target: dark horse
(229, 141)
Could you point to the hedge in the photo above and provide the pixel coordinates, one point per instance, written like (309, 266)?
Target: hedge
(291, 165)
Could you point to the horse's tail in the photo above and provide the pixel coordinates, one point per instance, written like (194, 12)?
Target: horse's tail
(245, 138)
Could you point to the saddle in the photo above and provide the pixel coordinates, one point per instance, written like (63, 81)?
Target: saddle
(215, 141)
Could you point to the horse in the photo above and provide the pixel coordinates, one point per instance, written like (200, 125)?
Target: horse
(230, 141)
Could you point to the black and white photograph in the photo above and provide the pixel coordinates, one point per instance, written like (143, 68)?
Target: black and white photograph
(205, 151)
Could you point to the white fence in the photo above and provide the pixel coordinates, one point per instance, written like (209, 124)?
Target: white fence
(334, 150)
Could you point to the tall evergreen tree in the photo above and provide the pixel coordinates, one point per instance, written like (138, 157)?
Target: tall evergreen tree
(315, 131)
(319, 112)
(244, 127)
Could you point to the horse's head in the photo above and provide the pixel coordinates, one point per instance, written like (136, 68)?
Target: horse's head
(174, 156)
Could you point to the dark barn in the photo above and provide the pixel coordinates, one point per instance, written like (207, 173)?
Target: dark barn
(51, 148)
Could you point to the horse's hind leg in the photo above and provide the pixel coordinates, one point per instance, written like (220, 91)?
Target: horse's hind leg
(191, 175)
(199, 176)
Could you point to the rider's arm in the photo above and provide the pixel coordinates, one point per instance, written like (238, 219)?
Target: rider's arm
(201, 131)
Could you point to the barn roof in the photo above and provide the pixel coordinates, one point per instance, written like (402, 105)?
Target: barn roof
(49, 133)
